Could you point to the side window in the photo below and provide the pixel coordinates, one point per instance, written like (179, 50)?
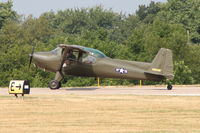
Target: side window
(88, 59)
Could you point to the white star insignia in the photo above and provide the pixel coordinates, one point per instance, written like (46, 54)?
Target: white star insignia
(121, 70)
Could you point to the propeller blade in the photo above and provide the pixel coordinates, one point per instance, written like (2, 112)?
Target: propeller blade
(30, 61)
(31, 56)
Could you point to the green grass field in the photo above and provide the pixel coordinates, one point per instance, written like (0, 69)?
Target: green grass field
(99, 114)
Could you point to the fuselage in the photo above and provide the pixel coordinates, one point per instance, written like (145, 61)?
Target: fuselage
(91, 65)
(111, 68)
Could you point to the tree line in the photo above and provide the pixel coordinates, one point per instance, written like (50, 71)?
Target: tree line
(138, 36)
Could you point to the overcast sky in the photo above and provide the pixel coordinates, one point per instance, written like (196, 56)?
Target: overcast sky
(37, 7)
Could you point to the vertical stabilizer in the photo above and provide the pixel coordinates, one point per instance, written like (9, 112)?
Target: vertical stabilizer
(163, 63)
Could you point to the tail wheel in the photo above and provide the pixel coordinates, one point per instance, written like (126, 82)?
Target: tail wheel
(54, 84)
(169, 87)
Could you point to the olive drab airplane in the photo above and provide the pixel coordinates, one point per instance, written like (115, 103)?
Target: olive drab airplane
(83, 61)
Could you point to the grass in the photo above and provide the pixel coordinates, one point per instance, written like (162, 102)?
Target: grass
(99, 114)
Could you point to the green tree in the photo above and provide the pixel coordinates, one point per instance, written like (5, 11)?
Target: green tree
(185, 12)
(134, 37)
(182, 73)
(6, 12)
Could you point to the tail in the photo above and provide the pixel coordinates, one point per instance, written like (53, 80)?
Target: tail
(163, 64)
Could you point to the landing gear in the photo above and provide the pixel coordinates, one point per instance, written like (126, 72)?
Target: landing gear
(169, 87)
(54, 84)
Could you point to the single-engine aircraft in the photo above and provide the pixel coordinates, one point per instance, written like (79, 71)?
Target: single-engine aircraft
(83, 61)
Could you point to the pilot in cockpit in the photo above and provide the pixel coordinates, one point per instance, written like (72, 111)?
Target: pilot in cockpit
(70, 55)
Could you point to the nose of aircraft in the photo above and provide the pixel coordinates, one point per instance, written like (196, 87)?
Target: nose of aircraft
(45, 60)
(39, 59)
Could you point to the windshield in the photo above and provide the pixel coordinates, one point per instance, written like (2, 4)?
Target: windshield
(95, 52)
(57, 51)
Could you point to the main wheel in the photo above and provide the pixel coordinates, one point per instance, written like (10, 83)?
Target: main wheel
(54, 84)
(169, 87)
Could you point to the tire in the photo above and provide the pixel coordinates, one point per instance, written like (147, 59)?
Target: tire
(169, 87)
(54, 85)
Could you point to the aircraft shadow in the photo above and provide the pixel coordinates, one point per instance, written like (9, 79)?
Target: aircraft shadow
(152, 89)
(159, 89)
(79, 89)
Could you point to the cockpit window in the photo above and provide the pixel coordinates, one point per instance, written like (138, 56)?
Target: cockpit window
(88, 59)
(57, 51)
(95, 52)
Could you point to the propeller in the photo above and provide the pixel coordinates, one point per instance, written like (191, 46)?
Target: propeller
(31, 56)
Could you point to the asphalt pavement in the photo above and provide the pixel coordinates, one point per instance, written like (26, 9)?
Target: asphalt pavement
(193, 90)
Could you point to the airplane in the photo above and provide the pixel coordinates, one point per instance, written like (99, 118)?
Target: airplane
(83, 61)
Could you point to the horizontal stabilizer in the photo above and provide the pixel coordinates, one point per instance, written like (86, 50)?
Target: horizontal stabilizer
(169, 76)
(154, 73)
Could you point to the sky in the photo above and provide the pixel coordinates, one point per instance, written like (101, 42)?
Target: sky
(37, 7)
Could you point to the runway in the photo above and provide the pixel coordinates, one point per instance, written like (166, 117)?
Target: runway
(193, 90)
